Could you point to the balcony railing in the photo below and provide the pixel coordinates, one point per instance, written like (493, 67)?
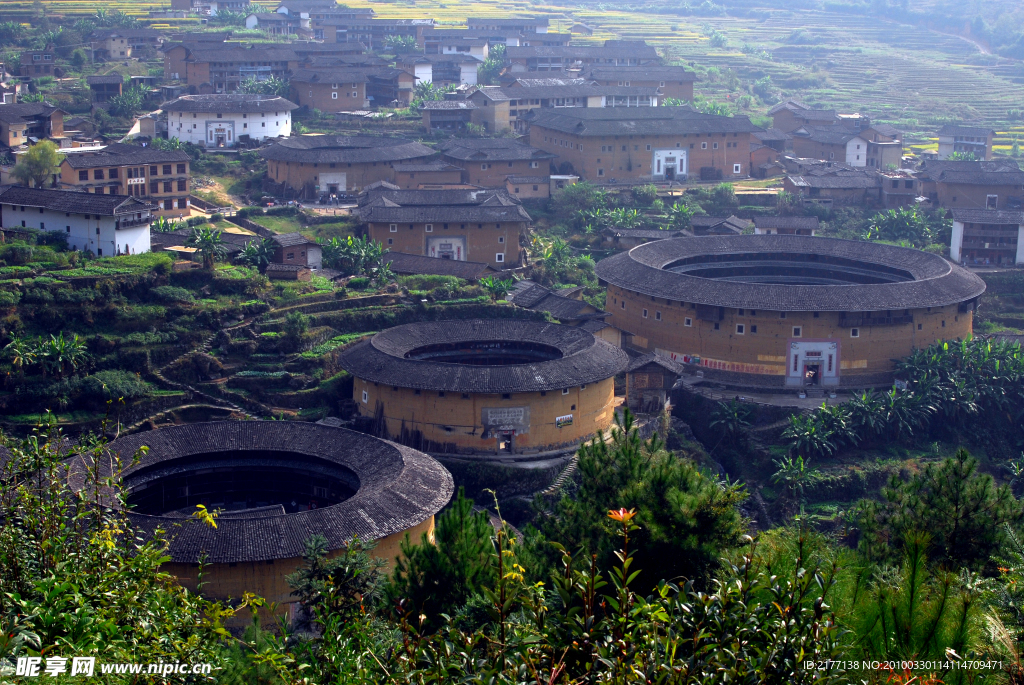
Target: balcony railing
(857, 321)
(131, 223)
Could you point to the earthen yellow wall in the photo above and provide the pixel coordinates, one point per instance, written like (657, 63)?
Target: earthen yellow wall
(297, 174)
(267, 579)
(874, 351)
(483, 241)
(432, 414)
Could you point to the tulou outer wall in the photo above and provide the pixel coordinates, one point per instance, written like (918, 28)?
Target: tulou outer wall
(453, 422)
(874, 350)
(267, 578)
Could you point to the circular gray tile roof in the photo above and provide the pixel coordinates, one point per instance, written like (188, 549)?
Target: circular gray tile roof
(933, 282)
(585, 359)
(399, 487)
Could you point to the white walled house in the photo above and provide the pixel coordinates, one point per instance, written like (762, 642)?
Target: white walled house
(987, 237)
(220, 120)
(106, 225)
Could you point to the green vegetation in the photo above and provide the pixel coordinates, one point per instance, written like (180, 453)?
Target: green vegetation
(39, 165)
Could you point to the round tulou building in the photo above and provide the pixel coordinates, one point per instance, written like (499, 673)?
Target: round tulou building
(787, 310)
(276, 484)
(509, 388)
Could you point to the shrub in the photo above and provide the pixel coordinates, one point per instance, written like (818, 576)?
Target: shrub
(359, 283)
(115, 384)
(169, 293)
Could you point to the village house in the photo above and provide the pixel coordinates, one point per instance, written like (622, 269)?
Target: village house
(102, 87)
(671, 81)
(645, 143)
(628, 238)
(447, 115)
(427, 175)
(441, 70)
(389, 87)
(835, 187)
(330, 89)
(987, 236)
(373, 32)
(790, 115)
(967, 140)
(225, 119)
(438, 41)
(214, 68)
(120, 44)
(28, 122)
(295, 249)
(105, 226)
(464, 225)
(785, 225)
(158, 177)
(488, 162)
(529, 187)
(308, 166)
(405, 264)
(867, 148)
(36, 63)
(491, 111)
(323, 9)
(972, 184)
(899, 188)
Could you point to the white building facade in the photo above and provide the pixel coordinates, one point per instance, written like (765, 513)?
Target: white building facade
(223, 119)
(106, 225)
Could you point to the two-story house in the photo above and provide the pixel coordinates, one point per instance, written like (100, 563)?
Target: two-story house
(967, 140)
(488, 162)
(672, 81)
(21, 124)
(158, 177)
(103, 225)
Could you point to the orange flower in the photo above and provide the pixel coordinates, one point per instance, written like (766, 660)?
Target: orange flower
(621, 514)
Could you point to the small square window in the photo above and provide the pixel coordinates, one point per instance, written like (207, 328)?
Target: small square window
(854, 332)
(623, 303)
(782, 315)
(943, 324)
(648, 148)
(499, 257)
(704, 146)
(797, 331)
(737, 168)
(714, 146)
(657, 316)
(918, 326)
(687, 321)
(740, 329)
(717, 326)
(645, 313)
(753, 329)
(366, 397)
(391, 241)
(506, 396)
(429, 228)
(465, 395)
(565, 391)
(394, 228)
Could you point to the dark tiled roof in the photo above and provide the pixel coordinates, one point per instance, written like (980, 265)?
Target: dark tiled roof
(585, 359)
(652, 358)
(398, 487)
(980, 177)
(229, 102)
(118, 154)
(292, 239)
(559, 303)
(18, 113)
(732, 224)
(515, 21)
(936, 282)
(829, 135)
(801, 222)
(492, 149)
(344, 149)
(419, 265)
(815, 114)
(988, 216)
(791, 105)
(528, 179)
(886, 130)
(611, 49)
(608, 121)
(72, 201)
(955, 130)
(772, 134)
(446, 105)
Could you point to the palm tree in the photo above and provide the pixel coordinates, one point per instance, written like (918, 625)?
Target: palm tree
(732, 418)
(208, 244)
(497, 288)
(258, 253)
(21, 353)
